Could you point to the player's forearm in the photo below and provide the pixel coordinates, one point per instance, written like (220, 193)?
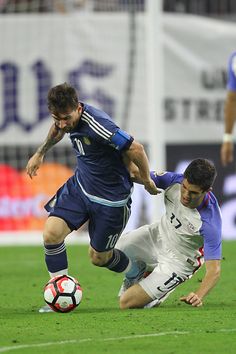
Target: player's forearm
(54, 136)
(138, 156)
(230, 112)
(208, 283)
(134, 173)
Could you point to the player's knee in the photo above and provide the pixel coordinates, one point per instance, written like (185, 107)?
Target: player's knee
(51, 237)
(125, 303)
(55, 230)
(122, 304)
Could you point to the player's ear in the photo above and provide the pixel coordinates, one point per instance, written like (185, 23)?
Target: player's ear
(79, 108)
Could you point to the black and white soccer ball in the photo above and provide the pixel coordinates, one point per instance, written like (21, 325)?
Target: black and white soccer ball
(63, 293)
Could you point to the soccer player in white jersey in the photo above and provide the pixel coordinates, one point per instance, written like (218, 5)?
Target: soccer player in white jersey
(227, 147)
(173, 249)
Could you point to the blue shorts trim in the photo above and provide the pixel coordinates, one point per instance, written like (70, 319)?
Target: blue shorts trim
(110, 203)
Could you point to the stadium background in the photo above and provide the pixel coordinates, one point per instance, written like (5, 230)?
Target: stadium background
(156, 67)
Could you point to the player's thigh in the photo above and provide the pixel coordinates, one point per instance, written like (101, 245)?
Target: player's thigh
(106, 225)
(139, 244)
(55, 230)
(163, 279)
(69, 204)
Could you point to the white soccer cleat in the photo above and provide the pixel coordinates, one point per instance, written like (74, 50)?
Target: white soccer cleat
(124, 286)
(128, 282)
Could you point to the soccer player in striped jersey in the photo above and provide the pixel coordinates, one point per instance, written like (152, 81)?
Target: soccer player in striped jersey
(99, 191)
(173, 249)
(227, 147)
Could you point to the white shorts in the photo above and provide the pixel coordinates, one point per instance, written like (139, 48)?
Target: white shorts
(167, 272)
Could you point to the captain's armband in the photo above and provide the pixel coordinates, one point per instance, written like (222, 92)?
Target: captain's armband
(121, 140)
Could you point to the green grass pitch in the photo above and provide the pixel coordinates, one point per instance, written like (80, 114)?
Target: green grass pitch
(97, 325)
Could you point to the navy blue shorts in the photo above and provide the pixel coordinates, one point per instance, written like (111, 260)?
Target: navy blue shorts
(105, 223)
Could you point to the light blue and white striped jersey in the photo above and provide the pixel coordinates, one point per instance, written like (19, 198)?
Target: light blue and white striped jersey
(100, 172)
(192, 234)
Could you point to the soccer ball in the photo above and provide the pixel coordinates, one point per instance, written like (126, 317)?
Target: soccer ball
(63, 293)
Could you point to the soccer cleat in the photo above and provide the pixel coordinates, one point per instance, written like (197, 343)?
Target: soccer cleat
(128, 282)
(124, 286)
(45, 309)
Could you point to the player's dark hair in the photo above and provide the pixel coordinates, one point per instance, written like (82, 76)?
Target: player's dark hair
(201, 172)
(62, 98)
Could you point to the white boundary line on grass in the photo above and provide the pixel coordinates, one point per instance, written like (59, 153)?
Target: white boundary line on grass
(174, 333)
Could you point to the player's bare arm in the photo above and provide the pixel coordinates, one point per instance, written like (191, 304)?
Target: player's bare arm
(133, 170)
(54, 136)
(209, 281)
(229, 120)
(137, 155)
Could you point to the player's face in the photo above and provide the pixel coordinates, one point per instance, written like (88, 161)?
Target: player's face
(191, 195)
(67, 121)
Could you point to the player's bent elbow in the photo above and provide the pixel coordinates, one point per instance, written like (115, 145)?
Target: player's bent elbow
(140, 148)
(135, 149)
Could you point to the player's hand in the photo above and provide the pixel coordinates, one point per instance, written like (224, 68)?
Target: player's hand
(227, 153)
(151, 187)
(33, 164)
(192, 299)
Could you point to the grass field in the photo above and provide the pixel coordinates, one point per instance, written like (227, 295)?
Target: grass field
(98, 326)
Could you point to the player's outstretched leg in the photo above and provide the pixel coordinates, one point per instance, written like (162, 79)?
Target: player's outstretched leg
(55, 252)
(117, 261)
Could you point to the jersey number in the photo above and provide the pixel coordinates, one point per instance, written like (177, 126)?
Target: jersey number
(173, 219)
(112, 239)
(171, 283)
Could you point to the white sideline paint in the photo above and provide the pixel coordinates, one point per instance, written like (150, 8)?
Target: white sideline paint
(78, 341)
(21, 238)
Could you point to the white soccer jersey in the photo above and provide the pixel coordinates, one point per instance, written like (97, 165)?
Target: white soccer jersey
(188, 234)
(175, 247)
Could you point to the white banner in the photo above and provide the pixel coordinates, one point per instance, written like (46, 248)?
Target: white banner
(196, 52)
(92, 51)
(89, 50)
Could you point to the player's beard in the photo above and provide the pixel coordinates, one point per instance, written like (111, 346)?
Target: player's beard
(68, 129)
